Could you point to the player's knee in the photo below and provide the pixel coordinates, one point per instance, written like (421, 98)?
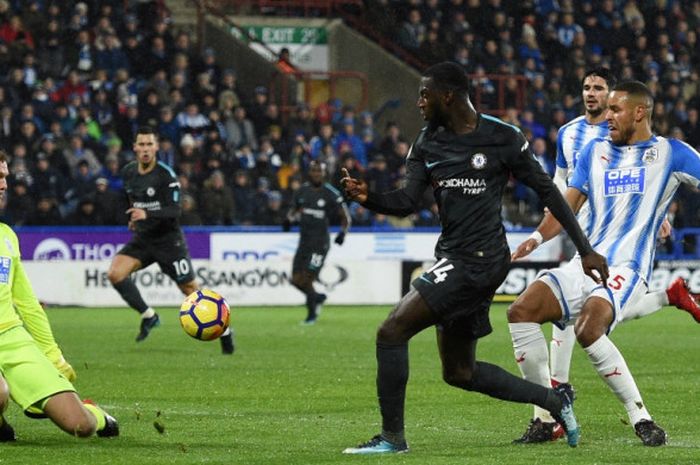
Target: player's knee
(457, 377)
(390, 332)
(588, 330)
(81, 424)
(115, 276)
(4, 395)
(518, 313)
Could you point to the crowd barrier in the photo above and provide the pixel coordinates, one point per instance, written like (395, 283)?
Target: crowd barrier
(253, 266)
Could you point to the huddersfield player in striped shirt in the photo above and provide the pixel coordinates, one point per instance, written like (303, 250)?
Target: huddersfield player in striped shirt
(629, 180)
(571, 140)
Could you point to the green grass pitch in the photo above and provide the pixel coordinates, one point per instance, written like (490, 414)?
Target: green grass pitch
(298, 395)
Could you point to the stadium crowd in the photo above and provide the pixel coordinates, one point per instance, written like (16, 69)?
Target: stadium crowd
(79, 78)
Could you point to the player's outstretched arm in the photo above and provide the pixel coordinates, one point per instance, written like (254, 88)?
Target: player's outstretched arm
(399, 202)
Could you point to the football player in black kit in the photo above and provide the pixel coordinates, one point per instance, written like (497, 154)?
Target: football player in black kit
(154, 196)
(312, 205)
(467, 158)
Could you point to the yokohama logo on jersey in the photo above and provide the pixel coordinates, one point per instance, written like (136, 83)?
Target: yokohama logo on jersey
(147, 205)
(469, 186)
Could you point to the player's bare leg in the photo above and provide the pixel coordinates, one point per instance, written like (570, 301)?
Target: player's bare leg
(79, 419)
(591, 327)
(119, 273)
(6, 431)
(304, 281)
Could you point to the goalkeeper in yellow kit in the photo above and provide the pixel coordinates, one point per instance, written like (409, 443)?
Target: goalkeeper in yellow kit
(33, 372)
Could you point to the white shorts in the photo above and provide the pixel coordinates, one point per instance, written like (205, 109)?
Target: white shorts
(572, 287)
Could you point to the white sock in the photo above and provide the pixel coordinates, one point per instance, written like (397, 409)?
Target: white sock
(646, 305)
(612, 368)
(531, 355)
(149, 313)
(561, 348)
(227, 332)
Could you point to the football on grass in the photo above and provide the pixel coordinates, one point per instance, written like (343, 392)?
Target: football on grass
(204, 315)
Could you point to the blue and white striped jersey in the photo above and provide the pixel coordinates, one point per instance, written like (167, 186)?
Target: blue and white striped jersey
(629, 189)
(571, 139)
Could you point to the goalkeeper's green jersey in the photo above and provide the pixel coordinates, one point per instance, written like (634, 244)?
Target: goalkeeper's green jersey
(18, 304)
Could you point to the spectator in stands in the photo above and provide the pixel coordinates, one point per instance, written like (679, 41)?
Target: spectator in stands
(240, 130)
(274, 212)
(244, 199)
(45, 213)
(412, 31)
(87, 214)
(284, 61)
(20, 204)
(189, 215)
(216, 204)
(112, 205)
(348, 141)
(77, 152)
(192, 122)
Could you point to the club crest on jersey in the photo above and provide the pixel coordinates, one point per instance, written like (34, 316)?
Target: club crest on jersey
(650, 156)
(150, 192)
(321, 203)
(478, 161)
(624, 181)
(5, 267)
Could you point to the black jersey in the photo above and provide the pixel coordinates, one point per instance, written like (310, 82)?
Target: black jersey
(157, 192)
(315, 205)
(468, 174)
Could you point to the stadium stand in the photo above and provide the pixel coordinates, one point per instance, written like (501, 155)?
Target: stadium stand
(80, 77)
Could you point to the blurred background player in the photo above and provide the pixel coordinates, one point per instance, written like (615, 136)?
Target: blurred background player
(571, 139)
(33, 371)
(313, 205)
(154, 196)
(628, 179)
(467, 157)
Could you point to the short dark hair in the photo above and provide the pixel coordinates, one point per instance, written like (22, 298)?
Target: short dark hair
(3, 156)
(636, 89)
(448, 76)
(145, 130)
(601, 72)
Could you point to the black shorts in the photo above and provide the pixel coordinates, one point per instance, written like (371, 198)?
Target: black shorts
(170, 253)
(308, 258)
(460, 293)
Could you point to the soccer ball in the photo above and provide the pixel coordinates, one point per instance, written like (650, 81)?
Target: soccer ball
(204, 315)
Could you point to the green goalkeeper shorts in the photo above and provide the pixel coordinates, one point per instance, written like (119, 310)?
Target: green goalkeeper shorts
(32, 378)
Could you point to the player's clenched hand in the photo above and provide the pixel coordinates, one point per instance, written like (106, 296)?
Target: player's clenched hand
(665, 229)
(340, 238)
(136, 214)
(524, 249)
(355, 189)
(595, 266)
(65, 369)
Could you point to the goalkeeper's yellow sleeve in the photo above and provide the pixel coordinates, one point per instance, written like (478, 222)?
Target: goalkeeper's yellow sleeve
(35, 320)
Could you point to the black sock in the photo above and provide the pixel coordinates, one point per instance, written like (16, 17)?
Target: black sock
(496, 382)
(311, 303)
(131, 295)
(392, 376)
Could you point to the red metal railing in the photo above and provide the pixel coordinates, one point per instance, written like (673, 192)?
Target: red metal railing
(323, 8)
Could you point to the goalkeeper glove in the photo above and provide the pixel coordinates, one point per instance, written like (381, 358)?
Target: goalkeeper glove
(340, 238)
(65, 369)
